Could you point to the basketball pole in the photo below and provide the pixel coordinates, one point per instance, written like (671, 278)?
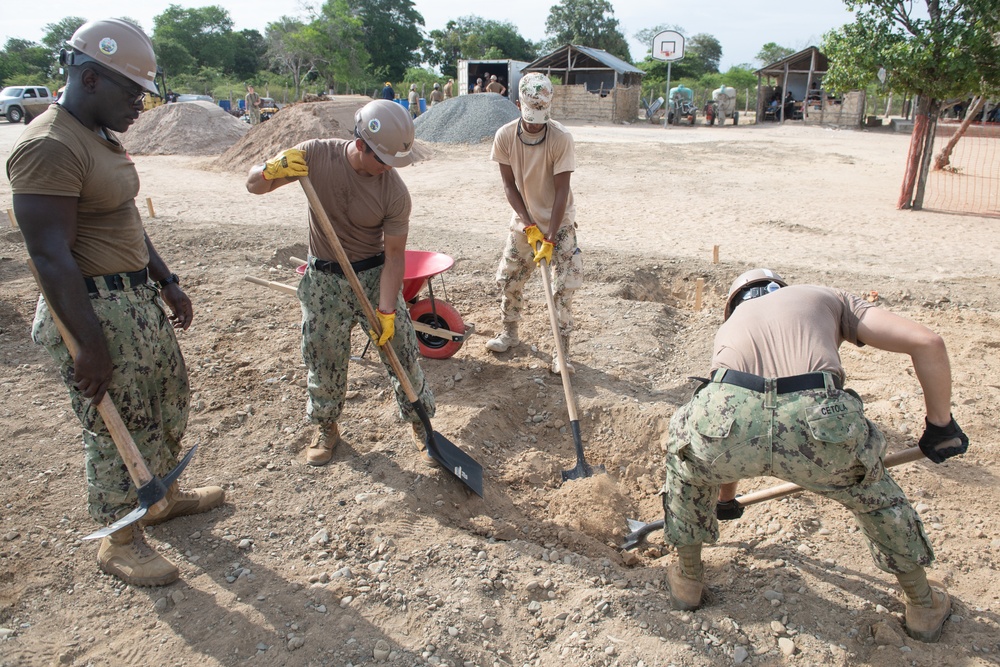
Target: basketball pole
(666, 111)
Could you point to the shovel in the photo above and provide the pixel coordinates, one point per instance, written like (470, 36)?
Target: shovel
(450, 456)
(582, 468)
(641, 529)
(152, 491)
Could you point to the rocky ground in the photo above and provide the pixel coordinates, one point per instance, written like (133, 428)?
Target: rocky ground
(376, 560)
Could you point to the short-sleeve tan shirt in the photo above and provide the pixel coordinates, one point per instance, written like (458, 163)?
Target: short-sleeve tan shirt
(535, 168)
(361, 208)
(797, 329)
(57, 156)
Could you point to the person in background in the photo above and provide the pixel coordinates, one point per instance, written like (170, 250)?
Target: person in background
(478, 88)
(413, 99)
(387, 92)
(253, 105)
(775, 405)
(495, 86)
(447, 89)
(74, 188)
(436, 95)
(537, 158)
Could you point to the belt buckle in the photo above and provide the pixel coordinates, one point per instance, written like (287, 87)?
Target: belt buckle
(114, 281)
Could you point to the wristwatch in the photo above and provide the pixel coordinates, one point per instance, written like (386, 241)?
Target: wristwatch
(172, 279)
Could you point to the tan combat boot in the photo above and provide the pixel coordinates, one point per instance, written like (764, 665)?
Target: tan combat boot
(182, 502)
(506, 340)
(126, 554)
(927, 607)
(420, 440)
(684, 579)
(320, 451)
(556, 364)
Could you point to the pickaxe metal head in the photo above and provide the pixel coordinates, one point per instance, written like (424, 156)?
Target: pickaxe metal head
(149, 494)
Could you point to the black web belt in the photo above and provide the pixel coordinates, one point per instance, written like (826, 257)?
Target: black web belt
(117, 281)
(326, 266)
(785, 385)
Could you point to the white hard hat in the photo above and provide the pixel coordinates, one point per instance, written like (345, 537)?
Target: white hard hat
(388, 130)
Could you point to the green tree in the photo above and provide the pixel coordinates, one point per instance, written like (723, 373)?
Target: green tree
(23, 61)
(476, 38)
(772, 53)
(952, 52)
(293, 49)
(391, 35)
(339, 37)
(172, 57)
(57, 34)
(249, 48)
(703, 53)
(206, 33)
(587, 23)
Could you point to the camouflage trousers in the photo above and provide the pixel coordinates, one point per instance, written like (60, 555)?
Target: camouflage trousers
(817, 438)
(149, 387)
(330, 310)
(517, 265)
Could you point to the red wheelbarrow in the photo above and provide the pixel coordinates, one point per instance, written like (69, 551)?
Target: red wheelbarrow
(439, 327)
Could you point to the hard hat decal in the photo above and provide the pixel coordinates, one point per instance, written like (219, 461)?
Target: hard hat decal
(374, 125)
(108, 46)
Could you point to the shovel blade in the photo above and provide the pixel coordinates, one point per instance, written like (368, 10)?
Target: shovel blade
(129, 518)
(454, 460)
(639, 531)
(582, 469)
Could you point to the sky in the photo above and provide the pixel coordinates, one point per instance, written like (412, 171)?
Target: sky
(741, 27)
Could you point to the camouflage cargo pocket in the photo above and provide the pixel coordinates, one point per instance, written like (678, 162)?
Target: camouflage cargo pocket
(837, 422)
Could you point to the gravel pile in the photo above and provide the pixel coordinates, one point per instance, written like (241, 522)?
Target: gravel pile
(466, 119)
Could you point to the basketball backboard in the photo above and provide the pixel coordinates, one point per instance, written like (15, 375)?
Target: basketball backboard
(668, 46)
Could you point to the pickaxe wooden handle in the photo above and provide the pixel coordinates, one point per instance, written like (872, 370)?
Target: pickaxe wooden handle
(639, 529)
(137, 468)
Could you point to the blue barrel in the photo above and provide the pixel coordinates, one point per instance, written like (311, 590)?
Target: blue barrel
(423, 105)
(404, 103)
(224, 104)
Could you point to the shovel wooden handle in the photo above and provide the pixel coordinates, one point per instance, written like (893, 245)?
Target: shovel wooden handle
(326, 226)
(127, 449)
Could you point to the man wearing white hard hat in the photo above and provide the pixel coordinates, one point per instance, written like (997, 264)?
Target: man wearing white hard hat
(369, 206)
(537, 158)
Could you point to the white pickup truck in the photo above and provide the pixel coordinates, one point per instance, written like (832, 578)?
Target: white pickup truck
(19, 103)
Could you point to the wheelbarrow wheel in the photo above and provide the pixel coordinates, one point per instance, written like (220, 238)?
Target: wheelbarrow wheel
(438, 314)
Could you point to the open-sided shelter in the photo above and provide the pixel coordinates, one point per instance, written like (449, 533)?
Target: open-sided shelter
(595, 85)
(801, 74)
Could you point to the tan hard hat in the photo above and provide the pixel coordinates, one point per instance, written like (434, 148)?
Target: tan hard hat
(749, 279)
(119, 46)
(388, 129)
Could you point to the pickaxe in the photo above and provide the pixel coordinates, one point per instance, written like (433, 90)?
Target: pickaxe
(151, 490)
(640, 529)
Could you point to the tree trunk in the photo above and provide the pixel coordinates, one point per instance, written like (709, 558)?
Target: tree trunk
(925, 158)
(916, 151)
(943, 159)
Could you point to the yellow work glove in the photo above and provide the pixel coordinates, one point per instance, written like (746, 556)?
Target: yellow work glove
(287, 164)
(388, 323)
(543, 252)
(534, 235)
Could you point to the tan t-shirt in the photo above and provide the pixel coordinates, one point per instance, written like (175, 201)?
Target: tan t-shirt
(58, 156)
(495, 87)
(797, 329)
(361, 208)
(535, 168)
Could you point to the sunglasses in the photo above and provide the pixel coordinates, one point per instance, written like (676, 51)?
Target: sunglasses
(375, 155)
(134, 93)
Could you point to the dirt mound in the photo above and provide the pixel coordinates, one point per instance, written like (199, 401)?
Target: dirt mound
(290, 126)
(184, 128)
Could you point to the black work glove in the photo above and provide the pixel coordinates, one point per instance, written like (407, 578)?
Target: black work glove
(728, 510)
(942, 442)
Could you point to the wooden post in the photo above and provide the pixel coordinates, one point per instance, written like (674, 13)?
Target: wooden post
(699, 287)
(149, 205)
(715, 254)
(13, 221)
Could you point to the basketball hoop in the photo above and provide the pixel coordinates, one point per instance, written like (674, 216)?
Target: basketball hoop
(668, 46)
